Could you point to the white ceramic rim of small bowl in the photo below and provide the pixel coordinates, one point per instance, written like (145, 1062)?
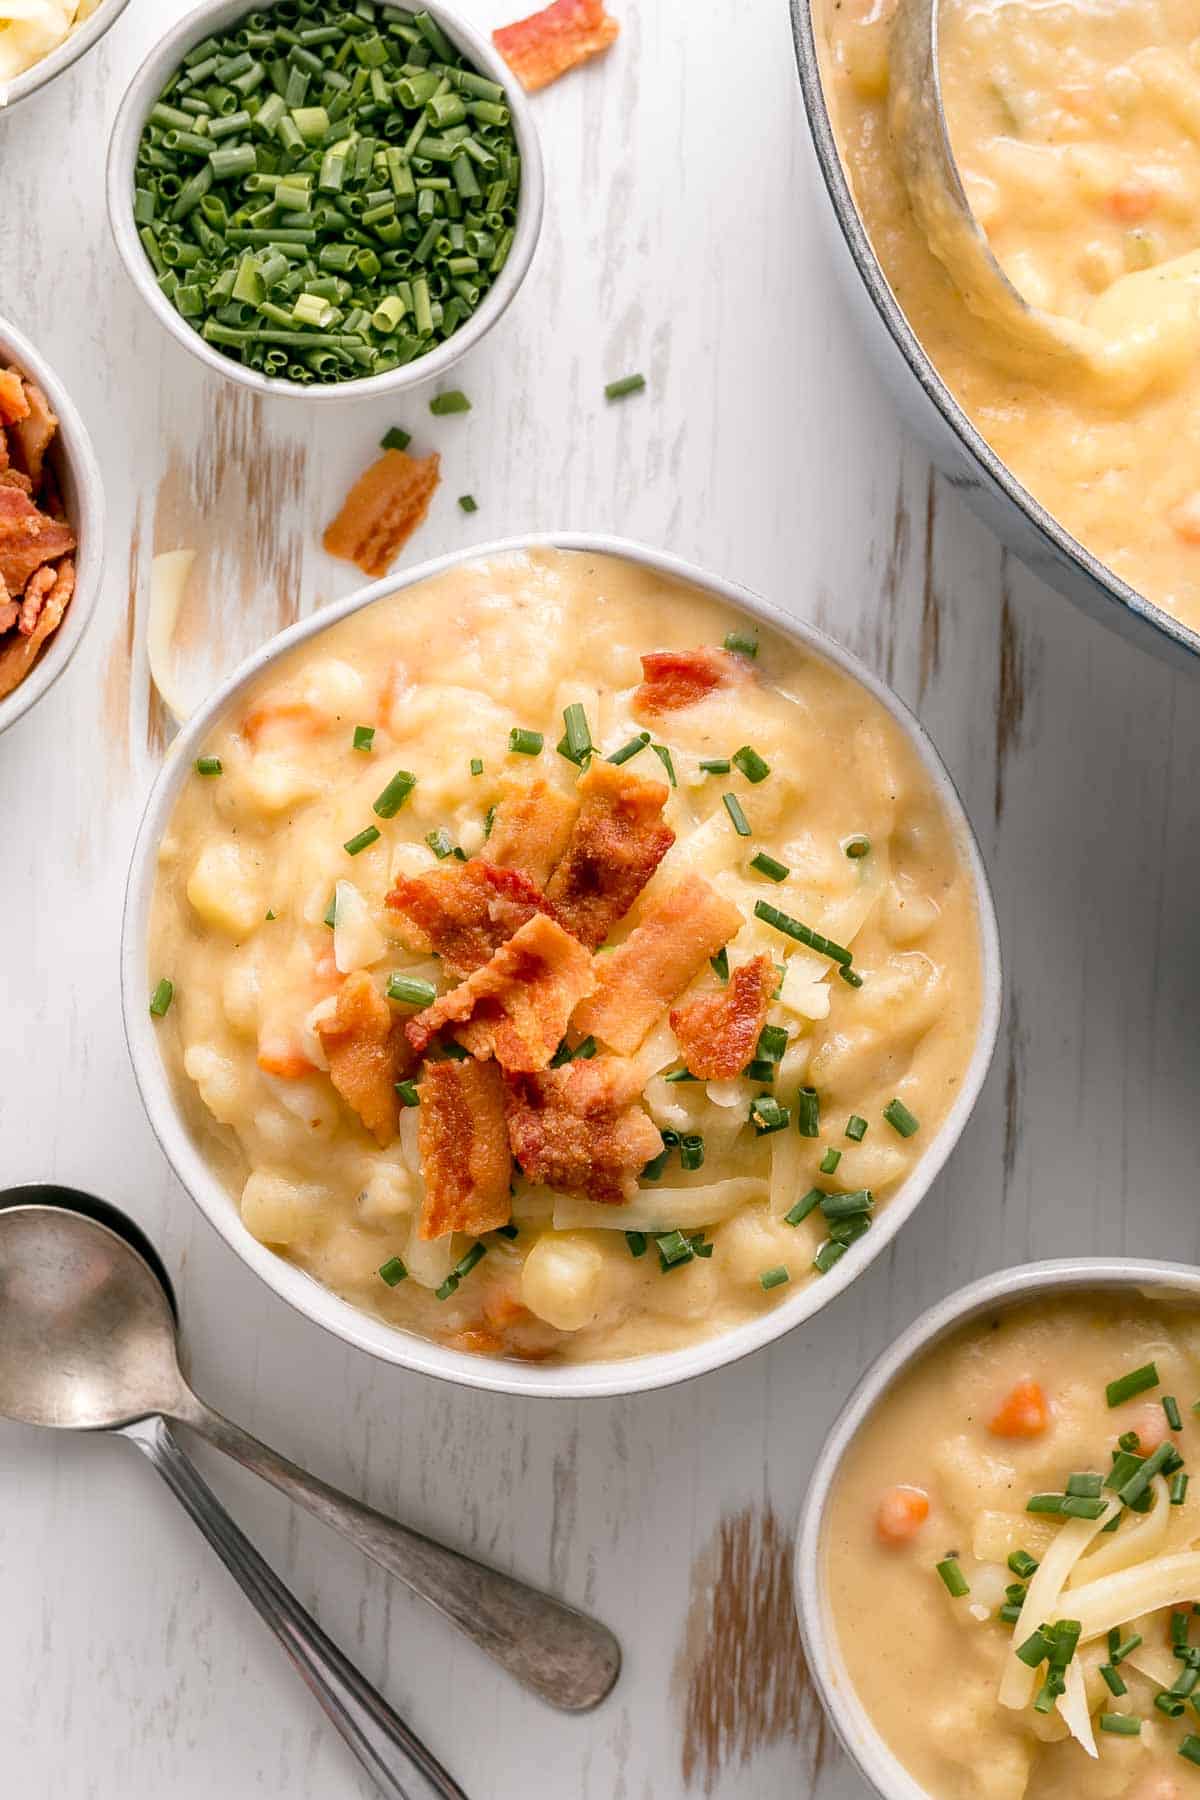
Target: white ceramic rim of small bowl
(143, 90)
(564, 1380)
(875, 1761)
(74, 45)
(74, 448)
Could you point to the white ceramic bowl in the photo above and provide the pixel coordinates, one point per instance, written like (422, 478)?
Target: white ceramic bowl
(68, 52)
(875, 1762)
(386, 1341)
(141, 94)
(78, 476)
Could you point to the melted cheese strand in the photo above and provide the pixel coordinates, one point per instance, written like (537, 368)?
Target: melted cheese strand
(1114, 1599)
(1042, 1600)
(1133, 1544)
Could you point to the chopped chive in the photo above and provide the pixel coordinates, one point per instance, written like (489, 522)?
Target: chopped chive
(396, 438)
(1022, 1564)
(393, 1272)
(851, 977)
(1009, 1613)
(1129, 1441)
(1179, 1487)
(395, 794)
(161, 998)
(466, 1263)
(448, 1287)
(664, 757)
(630, 749)
(733, 807)
(699, 1247)
(829, 1162)
(856, 1127)
(627, 384)
(773, 1278)
(576, 742)
(330, 917)
(1169, 1704)
(1139, 1482)
(803, 1207)
(476, 765)
(673, 1249)
(440, 842)
(453, 401)
(857, 846)
(652, 1170)
(1136, 1382)
(953, 1579)
(1035, 1649)
(580, 1052)
(509, 1231)
(1185, 1682)
(410, 990)
(750, 763)
(1086, 1486)
(364, 737)
(761, 1069)
(1044, 1503)
(1190, 1749)
(1049, 1692)
(721, 765)
(636, 1241)
(467, 503)
(525, 743)
(847, 1206)
(829, 1253)
(808, 1113)
(772, 1042)
(489, 819)
(407, 1091)
(1180, 1625)
(680, 1075)
(1112, 1680)
(1073, 1507)
(691, 1151)
(768, 866)
(1122, 1724)
(742, 643)
(1118, 1652)
(767, 1115)
(804, 934)
(208, 765)
(720, 965)
(269, 914)
(900, 1119)
(362, 840)
(1170, 1406)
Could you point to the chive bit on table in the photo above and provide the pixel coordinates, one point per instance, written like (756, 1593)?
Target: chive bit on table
(395, 439)
(161, 998)
(467, 503)
(454, 401)
(627, 384)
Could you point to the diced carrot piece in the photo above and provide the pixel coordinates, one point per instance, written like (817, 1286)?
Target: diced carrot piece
(1185, 519)
(1132, 201)
(544, 46)
(282, 1056)
(900, 1515)
(1023, 1413)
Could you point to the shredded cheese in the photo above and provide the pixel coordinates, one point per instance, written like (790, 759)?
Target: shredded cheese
(661, 1209)
(357, 940)
(168, 579)
(1073, 1706)
(1115, 1599)
(1133, 1543)
(1042, 1599)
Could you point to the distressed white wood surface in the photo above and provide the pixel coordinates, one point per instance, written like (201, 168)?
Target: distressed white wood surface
(681, 238)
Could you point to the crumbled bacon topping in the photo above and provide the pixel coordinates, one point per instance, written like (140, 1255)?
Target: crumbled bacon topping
(616, 843)
(580, 1129)
(13, 402)
(463, 1141)
(638, 980)
(37, 576)
(516, 1006)
(382, 510)
(544, 46)
(673, 679)
(368, 1054)
(463, 912)
(531, 827)
(718, 1032)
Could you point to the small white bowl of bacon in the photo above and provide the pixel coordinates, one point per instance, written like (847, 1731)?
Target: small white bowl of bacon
(51, 527)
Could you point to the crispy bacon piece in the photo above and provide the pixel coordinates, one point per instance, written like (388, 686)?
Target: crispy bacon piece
(33, 431)
(28, 538)
(616, 843)
(464, 1149)
(13, 402)
(382, 510)
(581, 1130)
(17, 653)
(516, 1006)
(531, 827)
(368, 1054)
(544, 46)
(463, 912)
(673, 679)
(639, 979)
(718, 1033)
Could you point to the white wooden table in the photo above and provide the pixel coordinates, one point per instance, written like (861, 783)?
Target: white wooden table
(682, 239)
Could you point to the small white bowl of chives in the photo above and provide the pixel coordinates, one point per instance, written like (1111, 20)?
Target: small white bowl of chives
(874, 1760)
(325, 198)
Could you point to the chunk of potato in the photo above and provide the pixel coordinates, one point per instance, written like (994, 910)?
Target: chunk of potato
(565, 1280)
(225, 890)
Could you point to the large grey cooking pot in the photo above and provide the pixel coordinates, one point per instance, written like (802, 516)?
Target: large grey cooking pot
(971, 466)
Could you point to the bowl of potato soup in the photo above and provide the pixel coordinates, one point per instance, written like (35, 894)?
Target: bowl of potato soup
(1073, 127)
(555, 969)
(998, 1560)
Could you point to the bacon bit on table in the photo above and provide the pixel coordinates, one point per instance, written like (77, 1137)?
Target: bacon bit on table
(641, 977)
(463, 1141)
(1024, 1412)
(382, 510)
(580, 1130)
(531, 827)
(515, 1007)
(673, 679)
(718, 1032)
(463, 913)
(544, 46)
(368, 1054)
(616, 843)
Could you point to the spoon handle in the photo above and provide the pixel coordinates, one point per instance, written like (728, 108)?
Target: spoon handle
(569, 1659)
(399, 1763)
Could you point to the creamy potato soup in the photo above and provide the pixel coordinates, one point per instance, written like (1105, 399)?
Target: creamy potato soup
(559, 967)
(1077, 130)
(1012, 1556)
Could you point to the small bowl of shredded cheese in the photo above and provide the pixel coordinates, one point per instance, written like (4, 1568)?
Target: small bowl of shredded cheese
(41, 38)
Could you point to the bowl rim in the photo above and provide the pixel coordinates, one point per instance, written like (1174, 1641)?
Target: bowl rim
(142, 90)
(73, 46)
(393, 1344)
(871, 1756)
(1118, 594)
(74, 446)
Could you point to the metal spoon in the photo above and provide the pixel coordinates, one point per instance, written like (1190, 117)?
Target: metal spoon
(917, 118)
(88, 1343)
